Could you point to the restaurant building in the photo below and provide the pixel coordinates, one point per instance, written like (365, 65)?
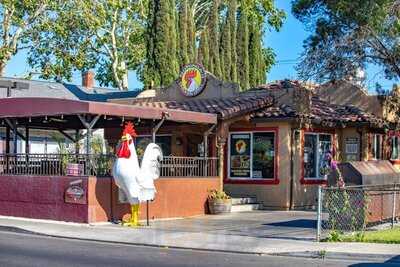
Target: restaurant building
(270, 142)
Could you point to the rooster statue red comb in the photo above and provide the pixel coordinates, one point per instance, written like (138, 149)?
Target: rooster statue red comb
(129, 129)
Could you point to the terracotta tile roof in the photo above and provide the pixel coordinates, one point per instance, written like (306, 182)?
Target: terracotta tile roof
(321, 112)
(225, 108)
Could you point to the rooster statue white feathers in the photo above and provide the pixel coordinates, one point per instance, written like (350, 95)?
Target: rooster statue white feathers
(136, 181)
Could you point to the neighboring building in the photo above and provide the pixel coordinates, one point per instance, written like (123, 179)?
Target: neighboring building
(43, 142)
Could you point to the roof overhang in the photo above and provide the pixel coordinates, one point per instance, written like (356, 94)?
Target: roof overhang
(38, 107)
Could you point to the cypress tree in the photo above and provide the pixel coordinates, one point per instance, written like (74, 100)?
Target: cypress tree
(214, 60)
(161, 67)
(243, 48)
(226, 48)
(173, 44)
(255, 54)
(191, 36)
(232, 13)
(203, 56)
(183, 30)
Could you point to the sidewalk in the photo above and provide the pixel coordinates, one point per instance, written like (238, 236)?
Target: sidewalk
(219, 233)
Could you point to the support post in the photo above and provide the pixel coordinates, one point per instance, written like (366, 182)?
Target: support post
(394, 206)
(221, 152)
(77, 141)
(27, 147)
(7, 148)
(205, 141)
(15, 138)
(153, 136)
(89, 126)
(319, 213)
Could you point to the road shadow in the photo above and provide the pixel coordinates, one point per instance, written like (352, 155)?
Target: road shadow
(299, 223)
(394, 261)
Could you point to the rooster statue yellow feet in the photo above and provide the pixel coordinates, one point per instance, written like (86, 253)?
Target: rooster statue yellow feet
(134, 220)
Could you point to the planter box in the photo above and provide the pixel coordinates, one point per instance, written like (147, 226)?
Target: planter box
(218, 206)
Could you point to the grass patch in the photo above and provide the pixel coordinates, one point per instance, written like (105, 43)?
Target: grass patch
(388, 236)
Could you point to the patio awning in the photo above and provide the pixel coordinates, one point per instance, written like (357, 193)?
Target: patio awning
(39, 107)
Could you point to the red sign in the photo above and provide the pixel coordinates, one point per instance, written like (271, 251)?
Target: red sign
(75, 193)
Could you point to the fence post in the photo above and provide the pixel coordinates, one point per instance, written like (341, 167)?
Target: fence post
(394, 206)
(319, 213)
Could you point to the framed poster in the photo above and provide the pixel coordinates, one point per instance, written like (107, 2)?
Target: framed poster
(240, 149)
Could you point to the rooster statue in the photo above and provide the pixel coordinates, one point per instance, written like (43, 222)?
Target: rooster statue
(136, 181)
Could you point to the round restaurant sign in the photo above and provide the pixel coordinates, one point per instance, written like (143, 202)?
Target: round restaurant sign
(192, 80)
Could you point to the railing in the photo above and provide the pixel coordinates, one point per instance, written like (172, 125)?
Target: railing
(100, 165)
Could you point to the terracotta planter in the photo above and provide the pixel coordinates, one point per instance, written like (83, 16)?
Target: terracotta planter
(218, 206)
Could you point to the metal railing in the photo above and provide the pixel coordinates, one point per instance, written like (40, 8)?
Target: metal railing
(100, 165)
(355, 209)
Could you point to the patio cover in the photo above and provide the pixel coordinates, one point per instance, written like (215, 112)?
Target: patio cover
(39, 107)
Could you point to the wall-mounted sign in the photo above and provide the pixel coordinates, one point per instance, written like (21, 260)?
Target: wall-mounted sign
(192, 79)
(240, 156)
(75, 193)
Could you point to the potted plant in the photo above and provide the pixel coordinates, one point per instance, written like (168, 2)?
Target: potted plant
(219, 202)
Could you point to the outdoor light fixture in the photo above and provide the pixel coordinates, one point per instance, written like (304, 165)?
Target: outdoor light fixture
(62, 116)
(30, 119)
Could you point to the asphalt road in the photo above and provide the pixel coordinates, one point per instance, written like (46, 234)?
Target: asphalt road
(20, 249)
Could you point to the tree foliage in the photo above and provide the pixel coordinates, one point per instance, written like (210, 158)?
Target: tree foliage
(348, 35)
(105, 35)
(19, 20)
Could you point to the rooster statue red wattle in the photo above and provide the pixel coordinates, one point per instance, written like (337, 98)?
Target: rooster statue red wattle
(137, 182)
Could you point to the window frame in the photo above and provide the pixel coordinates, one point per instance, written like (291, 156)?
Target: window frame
(398, 148)
(374, 144)
(250, 180)
(314, 180)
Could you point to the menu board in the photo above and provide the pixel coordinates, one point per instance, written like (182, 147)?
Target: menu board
(240, 156)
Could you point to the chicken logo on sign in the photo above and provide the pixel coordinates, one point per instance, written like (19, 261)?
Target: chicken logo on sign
(192, 80)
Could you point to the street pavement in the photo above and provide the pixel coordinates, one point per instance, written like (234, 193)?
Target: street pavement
(262, 232)
(21, 249)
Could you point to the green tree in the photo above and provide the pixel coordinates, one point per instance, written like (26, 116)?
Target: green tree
(203, 52)
(105, 35)
(232, 13)
(183, 32)
(19, 22)
(226, 46)
(243, 48)
(214, 32)
(348, 35)
(161, 66)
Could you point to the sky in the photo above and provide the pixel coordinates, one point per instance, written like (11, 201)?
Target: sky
(287, 45)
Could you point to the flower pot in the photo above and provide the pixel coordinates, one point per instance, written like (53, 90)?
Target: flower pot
(218, 206)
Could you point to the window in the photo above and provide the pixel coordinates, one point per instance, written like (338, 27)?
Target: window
(317, 147)
(252, 155)
(377, 146)
(164, 141)
(395, 147)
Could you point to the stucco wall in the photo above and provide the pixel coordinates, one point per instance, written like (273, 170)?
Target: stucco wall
(272, 196)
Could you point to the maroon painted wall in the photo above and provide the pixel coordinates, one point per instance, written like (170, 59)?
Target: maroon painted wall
(42, 197)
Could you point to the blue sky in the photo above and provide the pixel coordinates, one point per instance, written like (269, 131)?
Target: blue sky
(287, 44)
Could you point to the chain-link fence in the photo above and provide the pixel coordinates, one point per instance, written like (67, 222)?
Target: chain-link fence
(354, 209)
